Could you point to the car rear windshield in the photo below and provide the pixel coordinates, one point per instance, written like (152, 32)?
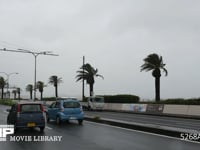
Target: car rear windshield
(30, 108)
(71, 105)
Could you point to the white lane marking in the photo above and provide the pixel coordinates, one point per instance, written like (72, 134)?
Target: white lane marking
(132, 130)
(5, 111)
(49, 128)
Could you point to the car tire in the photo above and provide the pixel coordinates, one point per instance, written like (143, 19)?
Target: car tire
(15, 129)
(8, 121)
(80, 122)
(58, 121)
(42, 129)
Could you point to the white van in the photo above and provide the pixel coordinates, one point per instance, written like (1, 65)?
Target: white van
(95, 103)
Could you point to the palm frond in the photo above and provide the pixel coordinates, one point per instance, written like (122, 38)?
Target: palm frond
(98, 75)
(153, 62)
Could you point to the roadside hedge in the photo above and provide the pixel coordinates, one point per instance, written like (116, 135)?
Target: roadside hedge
(121, 98)
(135, 99)
(109, 98)
(8, 102)
(49, 99)
(177, 101)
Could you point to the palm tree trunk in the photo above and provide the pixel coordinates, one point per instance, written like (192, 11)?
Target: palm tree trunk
(41, 95)
(91, 89)
(2, 93)
(157, 88)
(56, 91)
(31, 95)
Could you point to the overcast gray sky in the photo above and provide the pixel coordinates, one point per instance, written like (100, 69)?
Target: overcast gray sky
(114, 35)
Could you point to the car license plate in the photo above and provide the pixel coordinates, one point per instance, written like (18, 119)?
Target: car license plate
(31, 124)
(72, 118)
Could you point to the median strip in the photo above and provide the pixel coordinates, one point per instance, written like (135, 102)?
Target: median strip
(151, 128)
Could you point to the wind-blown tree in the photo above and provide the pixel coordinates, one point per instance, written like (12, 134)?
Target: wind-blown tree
(55, 81)
(15, 93)
(40, 86)
(29, 88)
(2, 85)
(87, 72)
(154, 63)
(18, 92)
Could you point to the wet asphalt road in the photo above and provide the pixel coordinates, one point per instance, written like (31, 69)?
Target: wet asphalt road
(184, 123)
(92, 136)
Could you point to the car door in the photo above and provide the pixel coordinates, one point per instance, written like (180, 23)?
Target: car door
(50, 110)
(54, 109)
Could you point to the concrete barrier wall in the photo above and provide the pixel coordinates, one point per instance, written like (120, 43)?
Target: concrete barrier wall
(194, 110)
(176, 109)
(134, 107)
(112, 106)
(191, 110)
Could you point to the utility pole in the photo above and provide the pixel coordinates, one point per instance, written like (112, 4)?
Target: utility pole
(35, 54)
(83, 86)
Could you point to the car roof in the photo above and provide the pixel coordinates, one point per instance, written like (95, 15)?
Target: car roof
(32, 103)
(68, 100)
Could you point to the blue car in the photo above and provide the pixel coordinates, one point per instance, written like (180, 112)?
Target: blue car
(65, 109)
(27, 115)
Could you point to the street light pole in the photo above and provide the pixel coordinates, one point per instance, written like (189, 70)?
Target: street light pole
(35, 88)
(35, 54)
(83, 84)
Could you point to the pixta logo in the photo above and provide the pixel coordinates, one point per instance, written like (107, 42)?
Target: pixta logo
(5, 130)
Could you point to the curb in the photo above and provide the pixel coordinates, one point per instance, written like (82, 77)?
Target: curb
(151, 128)
(157, 114)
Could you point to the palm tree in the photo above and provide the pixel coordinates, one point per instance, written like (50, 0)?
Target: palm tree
(40, 86)
(18, 92)
(2, 85)
(15, 93)
(55, 81)
(29, 88)
(87, 72)
(154, 63)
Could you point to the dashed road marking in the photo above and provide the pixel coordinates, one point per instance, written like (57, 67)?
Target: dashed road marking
(49, 128)
(5, 111)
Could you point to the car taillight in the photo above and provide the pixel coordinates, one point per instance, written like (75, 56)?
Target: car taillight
(18, 110)
(43, 112)
(42, 108)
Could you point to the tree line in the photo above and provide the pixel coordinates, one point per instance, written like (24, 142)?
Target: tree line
(153, 62)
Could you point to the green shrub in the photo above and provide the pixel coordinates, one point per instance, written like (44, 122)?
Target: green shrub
(177, 101)
(121, 98)
(49, 99)
(8, 102)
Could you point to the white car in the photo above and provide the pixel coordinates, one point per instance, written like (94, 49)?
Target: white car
(95, 103)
